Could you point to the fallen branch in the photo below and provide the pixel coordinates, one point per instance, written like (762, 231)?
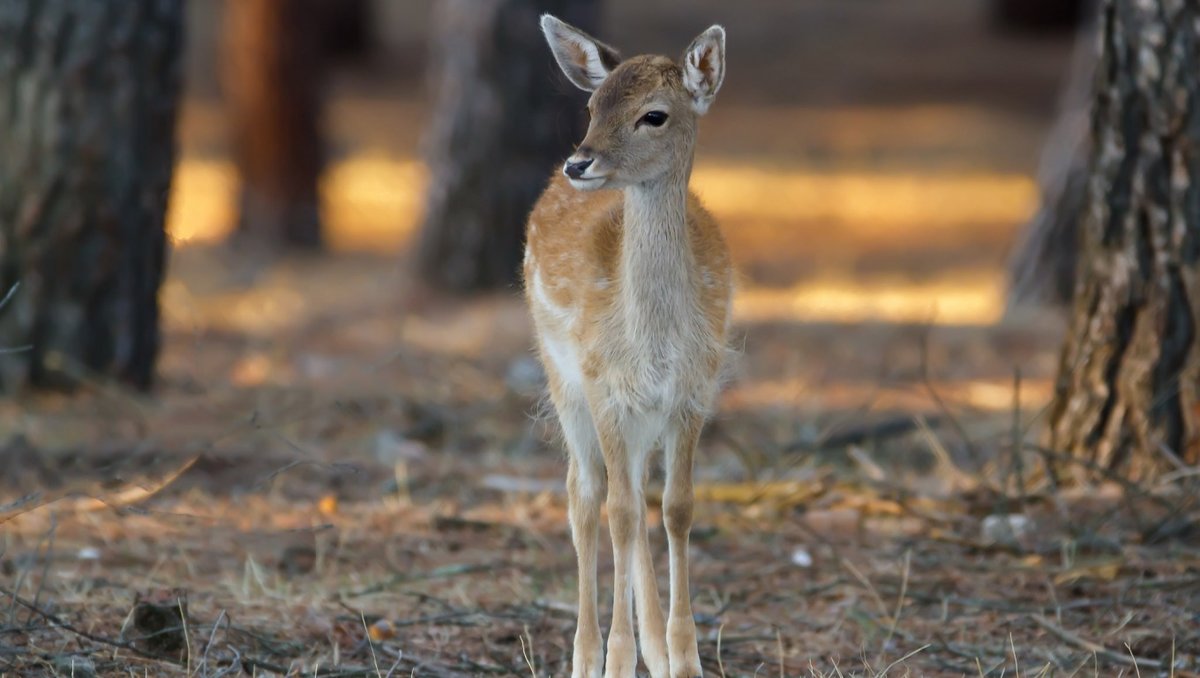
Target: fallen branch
(1095, 648)
(126, 498)
(437, 573)
(861, 433)
(135, 495)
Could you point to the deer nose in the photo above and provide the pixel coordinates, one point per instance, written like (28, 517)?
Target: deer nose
(575, 170)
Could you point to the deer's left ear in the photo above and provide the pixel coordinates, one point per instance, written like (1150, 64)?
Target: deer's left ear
(704, 67)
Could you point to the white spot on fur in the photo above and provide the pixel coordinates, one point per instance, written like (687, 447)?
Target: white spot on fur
(562, 352)
(556, 340)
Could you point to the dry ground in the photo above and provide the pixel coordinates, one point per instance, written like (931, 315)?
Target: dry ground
(335, 480)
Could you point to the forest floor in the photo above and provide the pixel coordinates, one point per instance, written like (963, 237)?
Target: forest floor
(339, 474)
(336, 479)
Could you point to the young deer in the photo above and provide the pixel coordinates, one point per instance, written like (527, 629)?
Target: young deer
(630, 294)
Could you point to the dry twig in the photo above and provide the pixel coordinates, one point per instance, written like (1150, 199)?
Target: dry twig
(1095, 648)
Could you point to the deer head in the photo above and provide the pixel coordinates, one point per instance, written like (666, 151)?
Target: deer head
(643, 110)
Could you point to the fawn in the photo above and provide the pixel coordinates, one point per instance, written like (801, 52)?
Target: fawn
(630, 295)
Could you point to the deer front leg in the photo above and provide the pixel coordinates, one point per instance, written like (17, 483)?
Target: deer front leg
(585, 492)
(626, 508)
(678, 502)
(584, 497)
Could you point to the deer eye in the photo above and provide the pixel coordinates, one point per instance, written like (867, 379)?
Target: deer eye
(654, 118)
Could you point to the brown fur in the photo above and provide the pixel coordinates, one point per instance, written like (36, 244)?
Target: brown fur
(566, 217)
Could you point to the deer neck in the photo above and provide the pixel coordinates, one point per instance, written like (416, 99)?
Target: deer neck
(656, 255)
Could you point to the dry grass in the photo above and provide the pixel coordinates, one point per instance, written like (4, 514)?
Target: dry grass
(843, 583)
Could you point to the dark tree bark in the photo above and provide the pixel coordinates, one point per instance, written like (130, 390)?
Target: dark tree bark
(503, 118)
(1038, 15)
(274, 83)
(1129, 378)
(1042, 266)
(88, 96)
(346, 29)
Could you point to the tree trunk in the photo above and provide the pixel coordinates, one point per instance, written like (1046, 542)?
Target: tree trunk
(1038, 15)
(346, 29)
(274, 85)
(1042, 267)
(88, 96)
(1129, 377)
(503, 118)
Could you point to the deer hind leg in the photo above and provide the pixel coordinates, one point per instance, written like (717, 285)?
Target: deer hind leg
(585, 492)
(678, 498)
(625, 462)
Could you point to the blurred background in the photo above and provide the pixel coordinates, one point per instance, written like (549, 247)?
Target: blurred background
(868, 160)
(873, 165)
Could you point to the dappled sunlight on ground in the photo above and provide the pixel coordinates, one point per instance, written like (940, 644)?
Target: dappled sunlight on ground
(202, 206)
(871, 204)
(983, 394)
(373, 204)
(964, 299)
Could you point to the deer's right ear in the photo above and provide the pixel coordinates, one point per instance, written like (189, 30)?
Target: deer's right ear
(585, 60)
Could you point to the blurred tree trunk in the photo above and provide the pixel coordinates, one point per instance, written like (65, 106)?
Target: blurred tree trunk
(346, 29)
(503, 117)
(1038, 15)
(1042, 267)
(89, 92)
(1128, 388)
(274, 82)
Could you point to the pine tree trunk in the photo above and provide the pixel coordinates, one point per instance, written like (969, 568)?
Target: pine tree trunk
(1129, 377)
(346, 29)
(1042, 266)
(88, 96)
(503, 118)
(274, 86)
(1038, 15)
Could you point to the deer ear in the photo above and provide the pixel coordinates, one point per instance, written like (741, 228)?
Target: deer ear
(585, 60)
(704, 67)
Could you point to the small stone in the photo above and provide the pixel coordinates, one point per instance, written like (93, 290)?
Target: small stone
(89, 553)
(1006, 529)
(801, 557)
(74, 666)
